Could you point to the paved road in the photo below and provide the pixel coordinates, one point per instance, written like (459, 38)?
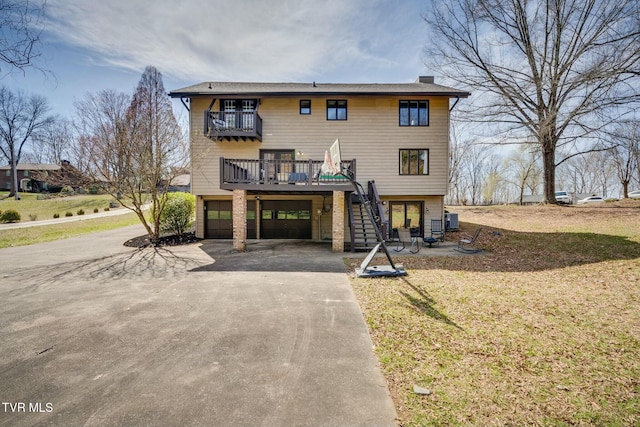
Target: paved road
(93, 333)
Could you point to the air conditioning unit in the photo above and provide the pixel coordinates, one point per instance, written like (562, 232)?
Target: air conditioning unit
(451, 221)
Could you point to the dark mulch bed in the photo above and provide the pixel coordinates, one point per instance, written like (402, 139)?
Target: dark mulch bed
(167, 240)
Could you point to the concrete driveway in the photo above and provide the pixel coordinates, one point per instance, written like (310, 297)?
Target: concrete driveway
(94, 333)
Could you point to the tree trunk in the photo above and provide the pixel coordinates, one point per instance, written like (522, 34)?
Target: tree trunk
(14, 176)
(521, 195)
(549, 166)
(625, 189)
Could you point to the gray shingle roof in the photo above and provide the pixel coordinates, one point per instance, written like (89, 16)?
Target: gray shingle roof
(296, 89)
(33, 167)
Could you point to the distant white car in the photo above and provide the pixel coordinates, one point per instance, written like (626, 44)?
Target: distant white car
(563, 197)
(634, 194)
(590, 199)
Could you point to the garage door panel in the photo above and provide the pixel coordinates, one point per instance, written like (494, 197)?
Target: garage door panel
(286, 219)
(219, 219)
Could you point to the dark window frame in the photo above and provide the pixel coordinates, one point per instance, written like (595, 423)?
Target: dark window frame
(396, 222)
(413, 169)
(305, 110)
(335, 107)
(416, 112)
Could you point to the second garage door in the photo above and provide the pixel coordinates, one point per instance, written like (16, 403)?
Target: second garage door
(286, 219)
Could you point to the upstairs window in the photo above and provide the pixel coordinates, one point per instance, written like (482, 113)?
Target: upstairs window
(305, 106)
(336, 109)
(414, 113)
(414, 162)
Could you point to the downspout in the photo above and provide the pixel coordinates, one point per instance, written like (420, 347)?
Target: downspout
(443, 217)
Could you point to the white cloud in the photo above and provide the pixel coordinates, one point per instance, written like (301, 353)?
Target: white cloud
(268, 40)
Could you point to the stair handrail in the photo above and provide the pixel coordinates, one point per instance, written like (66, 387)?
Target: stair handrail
(377, 207)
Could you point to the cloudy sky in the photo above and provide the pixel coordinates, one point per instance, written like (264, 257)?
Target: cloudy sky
(93, 45)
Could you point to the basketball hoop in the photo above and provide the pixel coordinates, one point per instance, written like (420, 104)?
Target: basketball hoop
(332, 160)
(333, 165)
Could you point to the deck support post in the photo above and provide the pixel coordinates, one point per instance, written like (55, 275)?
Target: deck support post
(240, 220)
(337, 244)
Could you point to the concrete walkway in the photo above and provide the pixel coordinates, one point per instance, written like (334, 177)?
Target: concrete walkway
(94, 333)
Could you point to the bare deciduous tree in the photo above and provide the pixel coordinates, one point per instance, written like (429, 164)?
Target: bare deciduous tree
(21, 117)
(456, 154)
(53, 143)
(626, 153)
(493, 185)
(135, 146)
(159, 142)
(103, 134)
(590, 173)
(557, 69)
(20, 29)
(475, 173)
(525, 171)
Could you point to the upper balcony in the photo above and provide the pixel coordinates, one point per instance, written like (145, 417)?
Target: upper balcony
(282, 176)
(236, 125)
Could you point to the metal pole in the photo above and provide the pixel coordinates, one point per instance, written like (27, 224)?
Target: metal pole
(367, 204)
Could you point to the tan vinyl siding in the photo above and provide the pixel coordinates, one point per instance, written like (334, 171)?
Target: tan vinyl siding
(371, 135)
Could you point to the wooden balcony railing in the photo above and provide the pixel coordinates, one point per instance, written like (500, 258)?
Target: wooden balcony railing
(245, 125)
(281, 175)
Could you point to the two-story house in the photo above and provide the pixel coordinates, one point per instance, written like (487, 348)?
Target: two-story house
(31, 176)
(257, 151)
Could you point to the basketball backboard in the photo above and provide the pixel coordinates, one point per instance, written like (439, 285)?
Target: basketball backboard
(332, 160)
(336, 157)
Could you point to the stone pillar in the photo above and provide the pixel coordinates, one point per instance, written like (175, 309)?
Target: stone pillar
(338, 222)
(240, 220)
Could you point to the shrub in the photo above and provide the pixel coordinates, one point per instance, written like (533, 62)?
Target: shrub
(68, 214)
(94, 189)
(56, 215)
(67, 190)
(80, 212)
(10, 216)
(33, 217)
(106, 209)
(177, 215)
(96, 210)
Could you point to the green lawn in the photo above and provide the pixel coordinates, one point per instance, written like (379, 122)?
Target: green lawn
(46, 233)
(29, 207)
(543, 329)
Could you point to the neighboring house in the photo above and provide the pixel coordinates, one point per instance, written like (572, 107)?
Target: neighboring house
(532, 199)
(257, 150)
(31, 176)
(181, 182)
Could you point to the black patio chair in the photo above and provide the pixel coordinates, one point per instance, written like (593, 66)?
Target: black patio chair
(437, 232)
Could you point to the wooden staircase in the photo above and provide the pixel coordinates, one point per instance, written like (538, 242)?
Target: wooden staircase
(363, 233)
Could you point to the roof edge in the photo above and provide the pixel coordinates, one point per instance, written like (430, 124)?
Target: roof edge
(451, 94)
